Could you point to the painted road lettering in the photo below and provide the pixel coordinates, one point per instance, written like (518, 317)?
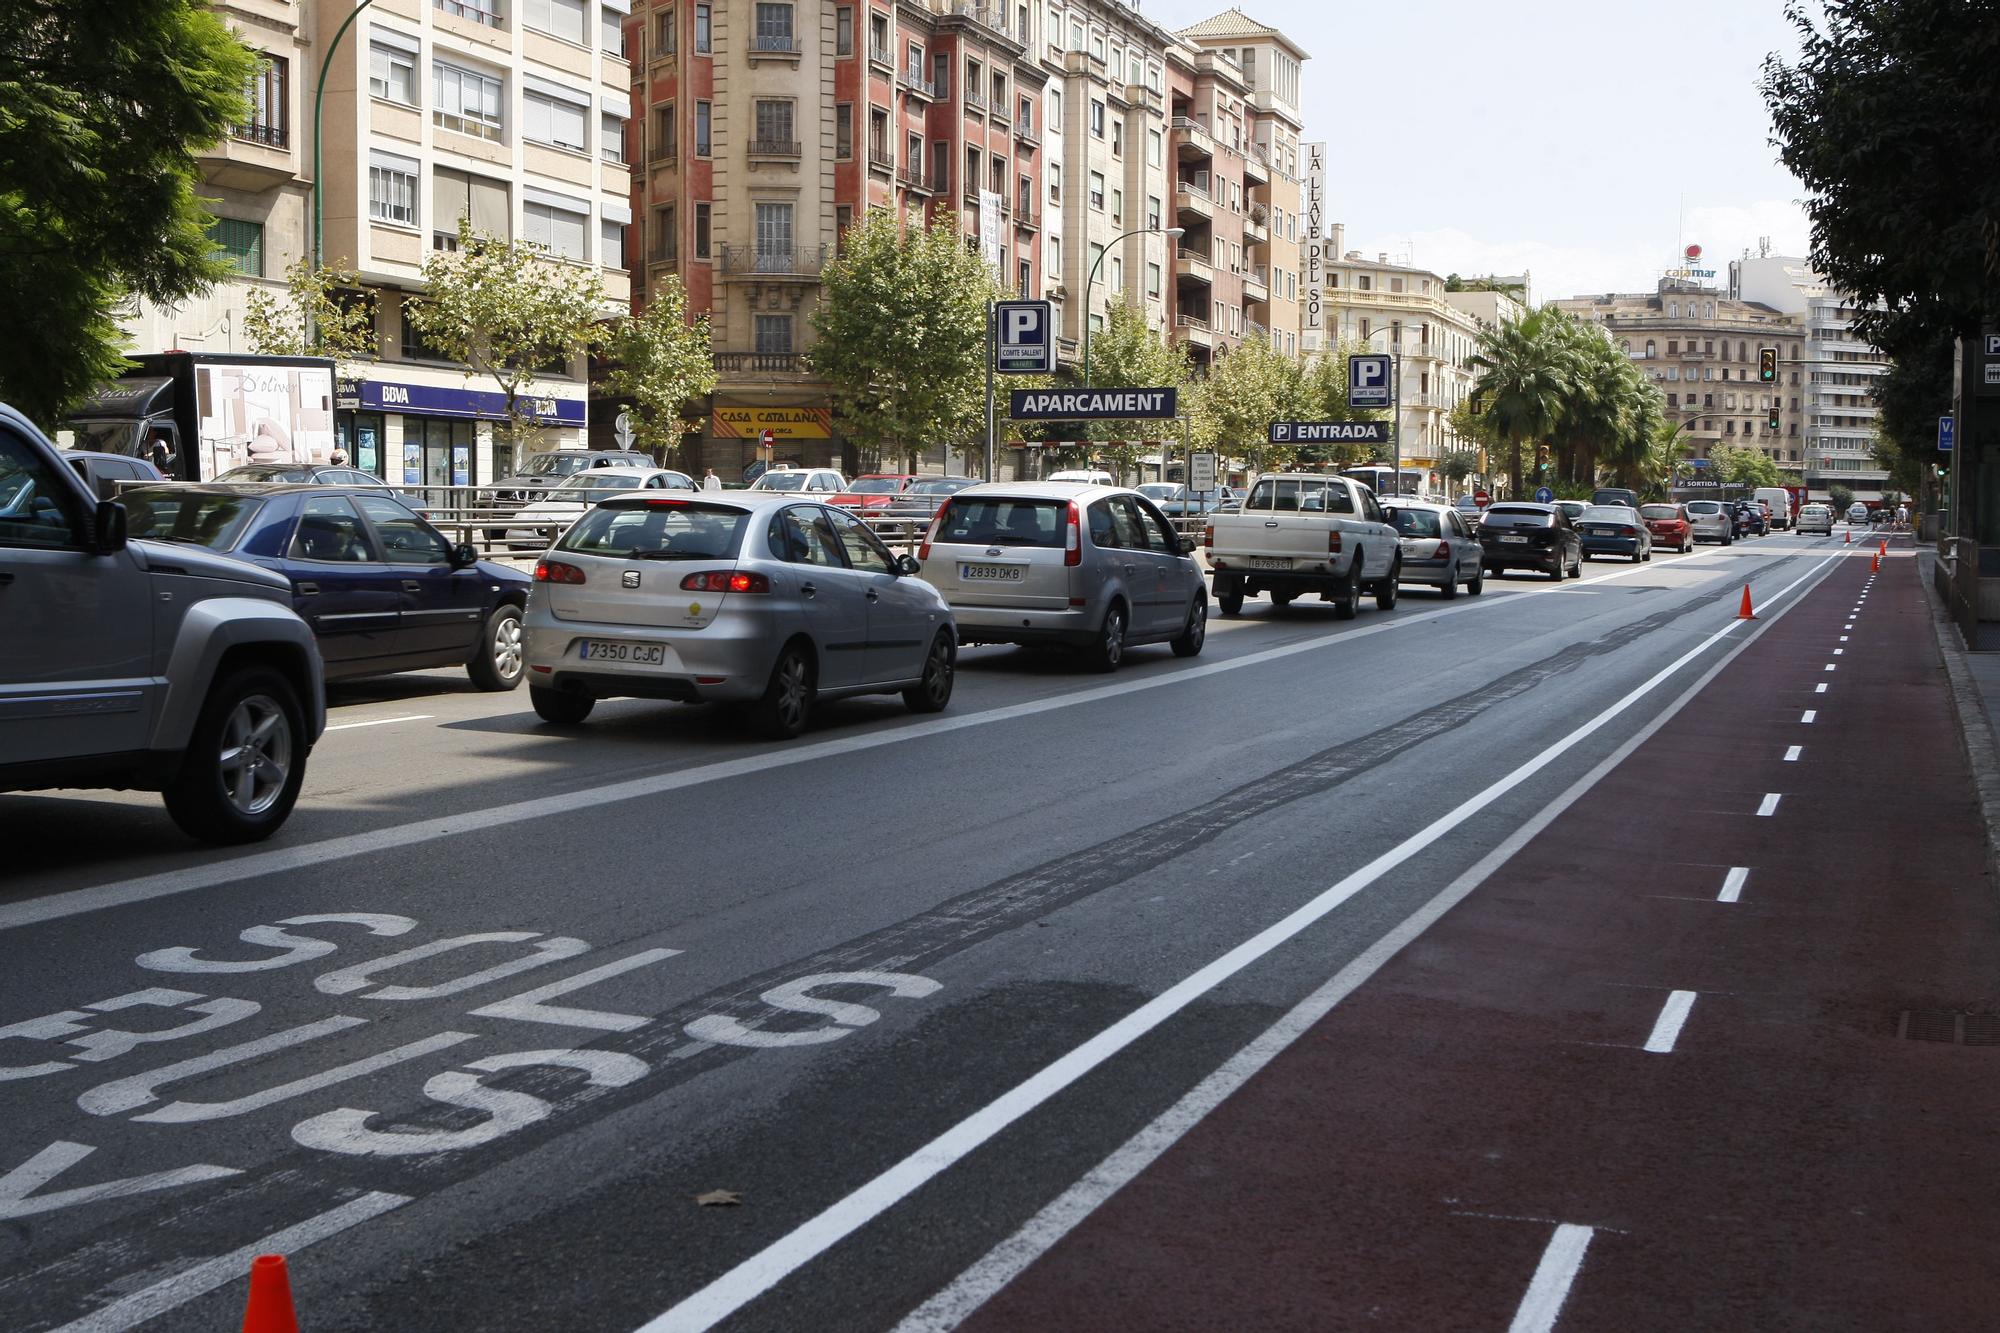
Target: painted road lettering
(297, 948)
(532, 1007)
(794, 997)
(73, 1028)
(19, 1188)
(347, 980)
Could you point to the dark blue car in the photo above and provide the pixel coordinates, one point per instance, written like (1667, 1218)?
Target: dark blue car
(383, 590)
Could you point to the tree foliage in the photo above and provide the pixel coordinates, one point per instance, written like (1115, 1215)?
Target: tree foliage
(661, 360)
(1842, 496)
(506, 310)
(323, 312)
(1737, 465)
(901, 336)
(1523, 377)
(1131, 354)
(102, 110)
(1241, 396)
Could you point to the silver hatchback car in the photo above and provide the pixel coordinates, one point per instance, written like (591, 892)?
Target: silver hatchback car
(1439, 547)
(1085, 566)
(1712, 521)
(764, 599)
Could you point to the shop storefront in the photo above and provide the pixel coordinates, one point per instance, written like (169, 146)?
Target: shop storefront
(416, 434)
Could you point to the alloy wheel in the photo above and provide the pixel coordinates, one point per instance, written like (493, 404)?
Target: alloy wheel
(507, 648)
(256, 757)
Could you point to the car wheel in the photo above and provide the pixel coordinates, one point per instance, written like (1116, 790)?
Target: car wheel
(245, 761)
(1109, 649)
(1387, 589)
(1450, 588)
(1347, 600)
(1556, 574)
(1229, 596)
(933, 692)
(1478, 583)
(1588, 556)
(561, 707)
(1281, 598)
(1640, 557)
(1576, 570)
(786, 705)
(1196, 634)
(499, 660)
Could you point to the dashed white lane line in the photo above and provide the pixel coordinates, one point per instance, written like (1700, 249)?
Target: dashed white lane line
(1843, 638)
(1821, 689)
(1549, 1288)
(1809, 715)
(1769, 805)
(382, 721)
(1792, 753)
(1840, 652)
(1732, 884)
(1667, 1027)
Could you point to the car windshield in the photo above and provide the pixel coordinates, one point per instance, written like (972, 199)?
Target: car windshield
(107, 437)
(1607, 514)
(1417, 523)
(1161, 490)
(560, 464)
(1659, 511)
(1305, 496)
(996, 520)
(658, 530)
(267, 472)
(940, 486)
(780, 481)
(586, 486)
(875, 486)
(199, 518)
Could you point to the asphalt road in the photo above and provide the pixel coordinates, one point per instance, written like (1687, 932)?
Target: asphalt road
(472, 1034)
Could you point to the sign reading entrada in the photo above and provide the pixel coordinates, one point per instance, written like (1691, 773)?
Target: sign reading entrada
(1094, 404)
(1329, 432)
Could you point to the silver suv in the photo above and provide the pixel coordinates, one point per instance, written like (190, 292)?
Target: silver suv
(1092, 567)
(144, 665)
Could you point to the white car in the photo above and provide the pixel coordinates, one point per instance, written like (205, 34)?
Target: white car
(1712, 521)
(1857, 512)
(801, 481)
(1816, 518)
(536, 526)
(1439, 547)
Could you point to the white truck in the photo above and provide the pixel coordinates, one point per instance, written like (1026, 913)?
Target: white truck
(1300, 533)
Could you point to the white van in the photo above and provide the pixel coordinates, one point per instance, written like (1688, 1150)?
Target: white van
(1083, 476)
(1780, 501)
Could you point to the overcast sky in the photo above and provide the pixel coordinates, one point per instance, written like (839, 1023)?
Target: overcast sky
(1582, 140)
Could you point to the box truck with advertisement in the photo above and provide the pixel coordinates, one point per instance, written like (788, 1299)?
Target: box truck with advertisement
(195, 415)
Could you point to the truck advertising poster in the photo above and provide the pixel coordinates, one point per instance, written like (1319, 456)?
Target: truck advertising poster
(264, 414)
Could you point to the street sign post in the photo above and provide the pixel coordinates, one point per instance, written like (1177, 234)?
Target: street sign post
(1025, 338)
(1368, 379)
(1543, 495)
(1329, 432)
(1481, 497)
(1947, 434)
(621, 429)
(1201, 472)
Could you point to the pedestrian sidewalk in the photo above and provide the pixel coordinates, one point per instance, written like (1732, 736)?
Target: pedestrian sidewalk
(1975, 694)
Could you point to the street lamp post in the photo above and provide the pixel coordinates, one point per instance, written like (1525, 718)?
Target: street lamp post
(319, 161)
(1171, 233)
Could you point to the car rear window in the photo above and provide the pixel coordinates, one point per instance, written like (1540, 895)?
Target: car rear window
(658, 530)
(1417, 523)
(200, 518)
(874, 486)
(1507, 516)
(1607, 514)
(996, 520)
(1659, 511)
(1704, 507)
(1294, 496)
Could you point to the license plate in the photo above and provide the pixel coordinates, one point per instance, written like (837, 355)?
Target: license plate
(1268, 562)
(1520, 541)
(601, 650)
(990, 573)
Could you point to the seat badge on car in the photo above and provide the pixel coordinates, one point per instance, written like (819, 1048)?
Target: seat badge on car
(630, 578)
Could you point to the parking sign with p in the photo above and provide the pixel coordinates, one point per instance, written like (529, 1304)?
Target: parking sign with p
(1368, 380)
(1024, 338)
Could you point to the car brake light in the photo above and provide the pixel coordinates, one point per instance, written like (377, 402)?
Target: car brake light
(723, 580)
(937, 525)
(556, 571)
(1443, 551)
(1208, 535)
(1073, 541)
(1333, 542)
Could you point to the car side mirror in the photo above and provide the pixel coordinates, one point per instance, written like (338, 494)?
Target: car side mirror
(908, 566)
(108, 530)
(464, 555)
(1187, 546)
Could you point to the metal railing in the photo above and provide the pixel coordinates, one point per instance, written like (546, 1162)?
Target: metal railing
(913, 179)
(774, 148)
(917, 83)
(801, 260)
(882, 56)
(479, 11)
(773, 43)
(271, 136)
(767, 363)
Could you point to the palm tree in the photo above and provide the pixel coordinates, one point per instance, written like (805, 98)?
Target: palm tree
(1525, 377)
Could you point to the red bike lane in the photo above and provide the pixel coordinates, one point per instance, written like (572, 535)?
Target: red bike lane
(1675, 1065)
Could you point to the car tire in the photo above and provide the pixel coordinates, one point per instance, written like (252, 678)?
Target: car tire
(1641, 557)
(784, 709)
(256, 709)
(1556, 574)
(1109, 648)
(1281, 598)
(1229, 597)
(1478, 583)
(1588, 556)
(1450, 588)
(500, 659)
(1387, 590)
(1347, 599)
(1576, 570)
(933, 692)
(1195, 634)
(561, 707)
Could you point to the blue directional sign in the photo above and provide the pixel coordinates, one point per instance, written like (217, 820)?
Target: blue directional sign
(1024, 338)
(1947, 434)
(1329, 432)
(1543, 495)
(1368, 380)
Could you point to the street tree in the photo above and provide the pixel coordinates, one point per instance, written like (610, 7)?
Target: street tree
(1129, 353)
(506, 311)
(103, 109)
(1458, 464)
(1735, 465)
(1241, 396)
(322, 312)
(662, 361)
(1842, 496)
(1524, 375)
(901, 336)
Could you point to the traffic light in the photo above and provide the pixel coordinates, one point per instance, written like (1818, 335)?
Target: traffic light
(1541, 458)
(1767, 364)
(1774, 421)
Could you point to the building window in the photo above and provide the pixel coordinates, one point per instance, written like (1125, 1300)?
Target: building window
(702, 223)
(242, 245)
(1117, 274)
(843, 130)
(1154, 148)
(774, 335)
(557, 228)
(611, 137)
(611, 239)
(548, 120)
(455, 195)
(843, 218)
(774, 237)
(667, 35)
(878, 37)
(774, 126)
(940, 165)
(1097, 190)
(701, 126)
(1153, 281)
(1026, 286)
(774, 28)
(270, 104)
(611, 31)
(392, 74)
(1118, 207)
(843, 31)
(1117, 138)
(557, 18)
(1055, 110)
(702, 34)
(1096, 119)
(467, 101)
(666, 236)
(392, 189)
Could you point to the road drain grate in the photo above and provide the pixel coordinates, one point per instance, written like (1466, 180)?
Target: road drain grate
(1949, 1026)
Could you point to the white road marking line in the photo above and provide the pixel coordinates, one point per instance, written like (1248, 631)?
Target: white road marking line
(1769, 805)
(1843, 638)
(1792, 753)
(151, 1302)
(754, 1276)
(381, 721)
(120, 893)
(1829, 666)
(1809, 715)
(1819, 689)
(1549, 1288)
(1840, 652)
(1667, 1027)
(1732, 884)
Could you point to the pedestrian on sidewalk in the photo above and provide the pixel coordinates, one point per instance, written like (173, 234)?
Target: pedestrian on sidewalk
(1902, 516)
(711, 482)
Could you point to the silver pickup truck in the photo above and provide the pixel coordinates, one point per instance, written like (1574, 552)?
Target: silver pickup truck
(149, 665)
(1301, 533)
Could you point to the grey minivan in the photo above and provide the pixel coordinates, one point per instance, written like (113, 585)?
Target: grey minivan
(1097, 568)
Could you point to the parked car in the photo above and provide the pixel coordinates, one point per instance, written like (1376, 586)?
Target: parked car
(1438, 546)
(535, 527)
(1670, 525)
(922, 498)
(1857, 512)
(320, 473)
(103, 472)
(132, 664)
(874, 492)
(761, 599)
(1302, 533)
(1097, 568)
(1713, 521)
(1083, 477)
(1571, 509)
(1751, 520)
(1520, 535)
(548, 470)
(383, 590)
(818, 481)
(1177, 501)
(1816, 518)
(1614, 529)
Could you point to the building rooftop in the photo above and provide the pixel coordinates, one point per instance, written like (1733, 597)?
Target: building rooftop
(1234, 23)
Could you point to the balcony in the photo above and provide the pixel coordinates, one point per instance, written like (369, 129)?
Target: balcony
(975, 100)
(915, 84)
(881, 58)
(1193, 329)
(770, 261)
(778, 148)
(912, 178)
(1191, 198)
(774, 46)
(662, 154)
(998, 110)
(1191, 140)
(1256, 167)
(1252, 329)
(1026, 135)
(880, 162)
(1139, 95)
(253, 157)
(483, 12)
(1193, 266)
(761, 363)
(1257, 284)
(1026, 218)
(1255, 232)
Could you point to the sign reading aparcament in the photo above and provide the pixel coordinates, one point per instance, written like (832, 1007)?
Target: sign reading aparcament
(1094, 404)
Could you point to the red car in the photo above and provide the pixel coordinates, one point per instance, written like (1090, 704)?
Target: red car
(1670, 526)
(874, 490)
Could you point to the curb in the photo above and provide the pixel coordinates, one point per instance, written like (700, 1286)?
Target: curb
(1975, 727)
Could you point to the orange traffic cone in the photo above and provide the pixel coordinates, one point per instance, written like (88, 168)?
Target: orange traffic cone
(1884, 550)
(270, 1308)
(1849, 539)
(1874, 564)
(1744, 612)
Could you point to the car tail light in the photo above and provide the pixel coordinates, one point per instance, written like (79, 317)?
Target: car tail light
(1628, 532)
(1208, 535)
(723, 580)
(557, 571)
(1073, 541)
(1333, 542)
(937, 526)
(1443, 551)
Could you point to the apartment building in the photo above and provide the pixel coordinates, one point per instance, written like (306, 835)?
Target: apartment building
(1840, 373)
(1699, 346)
(1406, 312)
(511, 114)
